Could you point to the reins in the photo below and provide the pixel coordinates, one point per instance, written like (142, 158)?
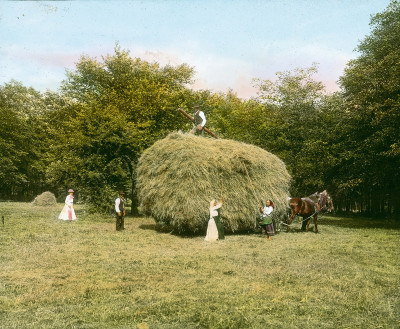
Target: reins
(300, 221)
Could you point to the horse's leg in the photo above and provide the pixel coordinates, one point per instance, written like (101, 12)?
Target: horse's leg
(304, 224)
(308, 224)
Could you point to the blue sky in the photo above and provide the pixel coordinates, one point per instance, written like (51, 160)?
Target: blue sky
(227, 42)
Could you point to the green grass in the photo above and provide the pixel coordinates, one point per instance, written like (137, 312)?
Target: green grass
(84, 274)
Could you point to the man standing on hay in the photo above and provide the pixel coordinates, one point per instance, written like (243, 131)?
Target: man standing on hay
(120, 211)
(199, 121)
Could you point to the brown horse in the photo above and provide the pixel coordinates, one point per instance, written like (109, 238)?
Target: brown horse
(308, 208)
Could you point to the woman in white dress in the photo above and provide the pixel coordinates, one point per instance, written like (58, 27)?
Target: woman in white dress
(212, 231)
(68, 212)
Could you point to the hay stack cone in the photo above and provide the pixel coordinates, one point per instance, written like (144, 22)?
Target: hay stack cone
(178, 176)
(45, 199)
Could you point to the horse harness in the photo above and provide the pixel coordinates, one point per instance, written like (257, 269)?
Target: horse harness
(316, 211)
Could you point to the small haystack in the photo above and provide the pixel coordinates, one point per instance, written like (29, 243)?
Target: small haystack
(45, 199)
(179, 175)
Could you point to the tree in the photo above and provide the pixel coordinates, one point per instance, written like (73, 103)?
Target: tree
(371, 87)
(114, 109)
(22, 141)
(238, 119)
(294, 102)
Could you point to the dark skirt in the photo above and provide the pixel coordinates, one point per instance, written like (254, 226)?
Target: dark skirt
(220, 228)
(269, 229)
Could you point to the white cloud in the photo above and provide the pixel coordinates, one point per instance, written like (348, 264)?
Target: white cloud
(286, 56)
(45, 68)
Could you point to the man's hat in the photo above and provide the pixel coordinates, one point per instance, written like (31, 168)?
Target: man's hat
(70, 190)
(121, 192)
(196, 106)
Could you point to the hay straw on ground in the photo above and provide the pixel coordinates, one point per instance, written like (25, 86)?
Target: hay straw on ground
(179, 175)
(45, 199)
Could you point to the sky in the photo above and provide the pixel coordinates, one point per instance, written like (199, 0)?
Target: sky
(228, 43)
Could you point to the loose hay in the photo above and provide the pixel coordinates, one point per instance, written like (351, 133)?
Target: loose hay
(45, 199)
(179, 175)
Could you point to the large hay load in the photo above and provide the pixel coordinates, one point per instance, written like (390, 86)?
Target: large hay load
(179, 176)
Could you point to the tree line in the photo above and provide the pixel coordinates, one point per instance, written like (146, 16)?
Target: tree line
(90, 133)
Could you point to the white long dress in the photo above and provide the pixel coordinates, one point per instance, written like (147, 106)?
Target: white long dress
(212, 231)
(68, 212)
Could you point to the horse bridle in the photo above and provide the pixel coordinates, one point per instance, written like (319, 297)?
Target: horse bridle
(324, 207)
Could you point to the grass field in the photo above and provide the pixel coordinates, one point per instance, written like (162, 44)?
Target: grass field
(84, 274)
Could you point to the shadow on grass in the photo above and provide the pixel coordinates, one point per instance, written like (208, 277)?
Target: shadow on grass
(331, 220)
(165, 229)
(155, 227)
(300, 231)
(359, 222)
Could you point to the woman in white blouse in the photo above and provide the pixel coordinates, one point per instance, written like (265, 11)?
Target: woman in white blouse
(267, 224)
(68, 213)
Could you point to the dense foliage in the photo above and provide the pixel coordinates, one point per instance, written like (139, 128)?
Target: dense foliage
(371, 90)
(90, 134)
(22, 141)
(115, 109)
